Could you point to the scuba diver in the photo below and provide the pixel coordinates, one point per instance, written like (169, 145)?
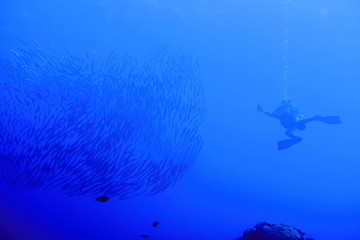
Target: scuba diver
(291, 119)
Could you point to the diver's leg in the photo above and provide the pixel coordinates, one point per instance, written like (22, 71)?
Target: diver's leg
(284, 144)
(290, 134)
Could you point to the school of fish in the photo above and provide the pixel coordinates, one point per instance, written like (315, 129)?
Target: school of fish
(113, 125)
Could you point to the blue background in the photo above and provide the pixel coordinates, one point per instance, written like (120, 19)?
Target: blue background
(239, 178)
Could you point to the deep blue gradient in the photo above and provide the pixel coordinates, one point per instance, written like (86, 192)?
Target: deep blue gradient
(239, 178)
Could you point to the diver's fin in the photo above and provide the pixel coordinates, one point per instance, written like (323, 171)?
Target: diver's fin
(284, 144)
(330, 119)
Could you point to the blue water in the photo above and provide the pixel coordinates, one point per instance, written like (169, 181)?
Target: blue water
(238, 178)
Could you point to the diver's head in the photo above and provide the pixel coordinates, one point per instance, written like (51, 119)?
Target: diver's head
(300, 126)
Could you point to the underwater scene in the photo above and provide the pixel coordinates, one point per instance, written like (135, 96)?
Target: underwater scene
(188, 120)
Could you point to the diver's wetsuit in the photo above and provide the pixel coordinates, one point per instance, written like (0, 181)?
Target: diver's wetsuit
(291, 119)
(289, 116)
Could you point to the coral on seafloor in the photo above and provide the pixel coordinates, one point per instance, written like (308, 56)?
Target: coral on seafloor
(269, 231)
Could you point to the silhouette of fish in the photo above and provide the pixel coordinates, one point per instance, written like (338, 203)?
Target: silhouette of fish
(102, 199)
(94, 125)
(144, 236)
(155, 224)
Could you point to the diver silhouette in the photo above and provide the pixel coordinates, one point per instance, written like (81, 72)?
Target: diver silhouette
(291, 119)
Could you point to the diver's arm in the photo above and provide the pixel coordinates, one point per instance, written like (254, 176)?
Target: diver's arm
(260, 109)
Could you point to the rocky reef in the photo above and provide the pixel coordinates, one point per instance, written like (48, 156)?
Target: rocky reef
(269, 231)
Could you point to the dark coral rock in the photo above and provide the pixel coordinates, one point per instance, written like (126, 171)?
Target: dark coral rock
(269, 231)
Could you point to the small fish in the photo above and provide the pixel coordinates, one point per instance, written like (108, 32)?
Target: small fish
(155, 224)
(144, 236)
(102, 199)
